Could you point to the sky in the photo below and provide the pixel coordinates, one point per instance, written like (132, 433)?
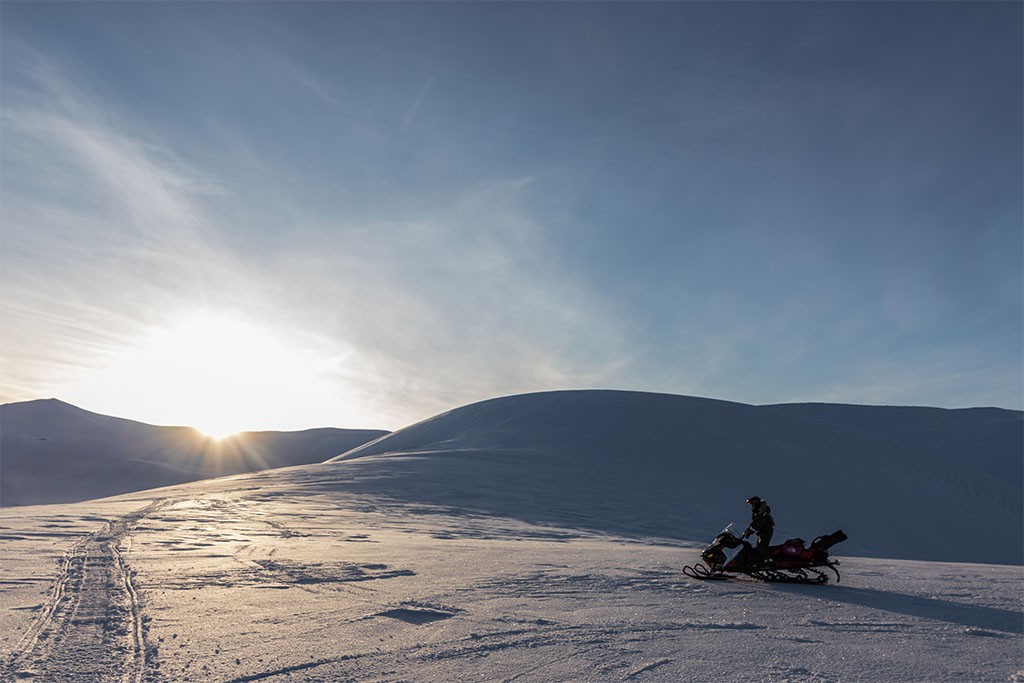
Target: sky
(291, 215)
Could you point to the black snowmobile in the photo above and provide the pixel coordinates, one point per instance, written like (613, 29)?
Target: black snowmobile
(791, 562)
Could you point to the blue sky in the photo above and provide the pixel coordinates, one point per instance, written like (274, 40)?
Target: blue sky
(361, 214)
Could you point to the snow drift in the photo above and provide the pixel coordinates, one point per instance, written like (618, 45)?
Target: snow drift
(915, 483)
(54, 452)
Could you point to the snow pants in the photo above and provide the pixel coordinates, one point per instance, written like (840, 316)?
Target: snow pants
(764, 538)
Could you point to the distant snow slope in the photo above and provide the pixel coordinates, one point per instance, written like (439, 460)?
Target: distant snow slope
(914, 483)
(53, 452)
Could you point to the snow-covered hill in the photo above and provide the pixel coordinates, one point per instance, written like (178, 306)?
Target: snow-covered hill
(504, 541)
(53, 452)
(914, 483)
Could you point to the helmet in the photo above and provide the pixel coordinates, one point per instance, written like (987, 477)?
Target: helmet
(754, 500)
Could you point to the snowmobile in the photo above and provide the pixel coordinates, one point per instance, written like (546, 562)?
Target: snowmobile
(791, 562)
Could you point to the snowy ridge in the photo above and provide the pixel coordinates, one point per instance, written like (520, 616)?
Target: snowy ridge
(903, 482)
(54, 452)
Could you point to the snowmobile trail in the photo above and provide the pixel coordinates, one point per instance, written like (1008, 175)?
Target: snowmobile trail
(90, 627)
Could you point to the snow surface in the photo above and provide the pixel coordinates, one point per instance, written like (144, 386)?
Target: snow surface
(264, 578)
(455, 553)
(54, 452)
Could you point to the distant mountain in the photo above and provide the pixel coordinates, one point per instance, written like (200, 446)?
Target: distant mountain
(918, 483)
(54, 452)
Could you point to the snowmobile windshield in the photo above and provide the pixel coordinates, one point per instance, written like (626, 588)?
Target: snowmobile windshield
(731, 553)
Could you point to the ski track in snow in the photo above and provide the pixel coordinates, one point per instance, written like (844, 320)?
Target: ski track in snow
(91, 626)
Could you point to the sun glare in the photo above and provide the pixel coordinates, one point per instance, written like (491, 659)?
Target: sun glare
(219, 374)
(216, 434)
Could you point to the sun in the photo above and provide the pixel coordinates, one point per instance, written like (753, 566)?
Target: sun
(220, 373)
(216, 434)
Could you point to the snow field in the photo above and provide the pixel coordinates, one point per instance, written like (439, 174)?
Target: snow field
(273, 585)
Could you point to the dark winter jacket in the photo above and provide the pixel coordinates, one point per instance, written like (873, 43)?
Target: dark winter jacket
(761, 519)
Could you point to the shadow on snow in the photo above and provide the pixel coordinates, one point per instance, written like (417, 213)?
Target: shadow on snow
(972, 616)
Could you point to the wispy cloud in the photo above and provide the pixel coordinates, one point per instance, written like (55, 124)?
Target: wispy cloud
(421, 96)
(465, 303)
(66, 152)
(108, 234)
(103, 233)
(321, 90)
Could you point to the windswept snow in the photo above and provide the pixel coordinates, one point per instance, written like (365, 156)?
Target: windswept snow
(53, 452)
(538, 538)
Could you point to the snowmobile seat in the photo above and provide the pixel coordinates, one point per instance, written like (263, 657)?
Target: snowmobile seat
(793, 547)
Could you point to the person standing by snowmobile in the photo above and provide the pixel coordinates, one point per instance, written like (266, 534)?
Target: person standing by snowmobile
(762, 524)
